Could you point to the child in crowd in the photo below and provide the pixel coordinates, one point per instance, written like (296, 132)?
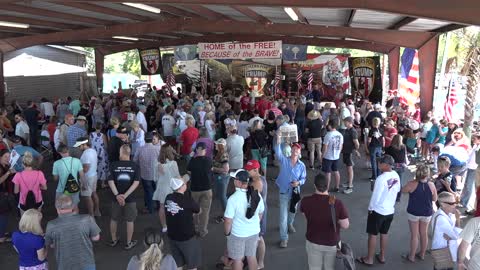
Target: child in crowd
(445, 180)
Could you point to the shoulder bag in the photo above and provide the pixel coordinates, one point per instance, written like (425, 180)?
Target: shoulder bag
(442, 258)
(345, 257)
(71, 185)
(263, 151)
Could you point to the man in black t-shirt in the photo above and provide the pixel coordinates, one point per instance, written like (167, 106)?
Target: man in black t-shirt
(31, 117)
(124, 179)
(179, 210)
(200, 170)
(115, 143)
(350, 145)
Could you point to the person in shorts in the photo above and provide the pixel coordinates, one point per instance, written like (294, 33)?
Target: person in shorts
(332, 147)
(89, 161)
(125, 178)
(242, 221)
(381, 209)
(350, 146)
(179, 211)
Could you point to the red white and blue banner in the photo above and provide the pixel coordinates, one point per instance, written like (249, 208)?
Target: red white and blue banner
(251, 50)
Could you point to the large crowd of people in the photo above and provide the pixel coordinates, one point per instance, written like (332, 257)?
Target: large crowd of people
(186, 151)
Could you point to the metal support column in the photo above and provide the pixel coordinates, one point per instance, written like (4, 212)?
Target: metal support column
(393, 63)
(99, 66)
(427, 56)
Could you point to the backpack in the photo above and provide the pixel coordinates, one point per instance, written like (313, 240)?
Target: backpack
(30, 199)
(71, 185)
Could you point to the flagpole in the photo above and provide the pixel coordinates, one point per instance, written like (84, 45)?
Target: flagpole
(441, 80)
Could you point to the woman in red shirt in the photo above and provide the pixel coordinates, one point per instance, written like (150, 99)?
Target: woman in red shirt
(389, 132)
(188, 137)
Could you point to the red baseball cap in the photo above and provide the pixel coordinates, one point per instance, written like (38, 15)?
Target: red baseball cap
(296, 145)
(251, 165)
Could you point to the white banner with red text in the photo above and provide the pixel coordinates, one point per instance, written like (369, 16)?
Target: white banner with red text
(250, 50)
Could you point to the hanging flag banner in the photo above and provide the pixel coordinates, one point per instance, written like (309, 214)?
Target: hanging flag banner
(366, 77)
(251, 50)
(294, 52)
(185, 52)
(151, 61)
(252, 75)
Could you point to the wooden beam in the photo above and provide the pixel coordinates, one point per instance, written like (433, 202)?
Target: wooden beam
(448, 28)
(251, 14)
(27, 31)
(33, 22)
(398, 38)
(301, 18)
(370, 46)
(105, 10)
(53, 14)
(350, 17)
(460, 11)
(207, 13)
(176, 11)
(402, 22)
(9, 35)
(2, 82)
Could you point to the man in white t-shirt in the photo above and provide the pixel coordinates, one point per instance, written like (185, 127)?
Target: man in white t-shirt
(235, 149)
(470, 237)
(140, 117)
(89, 161)
(168, 124)
(332, 147)
(242, 222)
(381, 209)
(21, 129)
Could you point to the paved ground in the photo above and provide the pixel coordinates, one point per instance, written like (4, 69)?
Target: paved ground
(293, 257)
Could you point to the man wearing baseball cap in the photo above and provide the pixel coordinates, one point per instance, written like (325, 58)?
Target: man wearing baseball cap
(292, 175)
(242, 221)
(89, 161)
(259, 183)
(120, 138)
(381, 209)
(179, 211)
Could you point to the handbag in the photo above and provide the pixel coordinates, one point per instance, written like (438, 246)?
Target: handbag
(345, 256)
(263, 151)
(442, 258)
(71, 185)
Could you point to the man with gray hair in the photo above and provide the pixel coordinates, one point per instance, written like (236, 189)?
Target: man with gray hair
(71, 236)
(140, 117)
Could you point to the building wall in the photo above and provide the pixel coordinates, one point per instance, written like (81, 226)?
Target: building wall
(33, 88)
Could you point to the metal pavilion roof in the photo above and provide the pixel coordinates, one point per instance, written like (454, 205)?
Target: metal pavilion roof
(372, 25)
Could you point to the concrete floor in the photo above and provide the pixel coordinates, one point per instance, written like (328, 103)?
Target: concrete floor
(293, 257)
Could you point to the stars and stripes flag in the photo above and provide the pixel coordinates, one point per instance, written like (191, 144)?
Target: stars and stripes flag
(310, 82)
(277, 80)
(219, 87)
(299, 79)
(346, 78)
(409, 78)
(451, 98)
(204, 77)
(170, 80)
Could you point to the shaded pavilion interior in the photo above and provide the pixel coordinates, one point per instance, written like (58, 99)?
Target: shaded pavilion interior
(379, 26)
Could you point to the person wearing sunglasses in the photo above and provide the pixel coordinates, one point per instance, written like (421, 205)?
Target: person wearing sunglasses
(445, 224)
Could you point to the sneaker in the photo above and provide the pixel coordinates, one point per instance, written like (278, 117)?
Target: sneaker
(291, 229)
(130, 245)
(345, 185)
(283, 243)
(113, 243)
(348, 190)
(312, 167)
(335, 190)
(97, 214)
(164, 230)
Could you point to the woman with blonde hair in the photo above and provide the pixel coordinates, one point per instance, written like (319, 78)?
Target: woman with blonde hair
(210, 125)
(29, 183)
(153, 258)
(220, 169)
(137, 136)
(29, 242)
(422, 193)
(115, 123)
(167, 169)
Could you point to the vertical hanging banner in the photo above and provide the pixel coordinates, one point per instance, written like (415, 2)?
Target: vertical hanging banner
(185, 52)
(366, 77)
(151, 61)
(251, 50)
(294, 52)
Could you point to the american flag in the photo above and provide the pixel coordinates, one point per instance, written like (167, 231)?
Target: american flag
(310, 81)
(278, 78)
(346, 78)
(219, 87)
(299, 79)
(204, 82)
(409, 82)
(170, 80)
(451, 99)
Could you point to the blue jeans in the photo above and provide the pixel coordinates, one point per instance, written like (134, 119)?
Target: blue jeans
(469, 188)
(300, 127)
(148, 189)
(221, 185)
(285, 218)
(400, 171)
(375, 152)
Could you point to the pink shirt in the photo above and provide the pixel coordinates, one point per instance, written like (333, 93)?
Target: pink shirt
(30, 180)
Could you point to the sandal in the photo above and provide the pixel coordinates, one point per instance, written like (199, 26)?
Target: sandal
(377, 256)
(417, 256)
(130, 245)
(113, 243)
(361, 260)
(406, 258)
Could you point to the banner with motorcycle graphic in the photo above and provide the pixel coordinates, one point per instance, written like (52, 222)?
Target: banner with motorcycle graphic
(366, 77)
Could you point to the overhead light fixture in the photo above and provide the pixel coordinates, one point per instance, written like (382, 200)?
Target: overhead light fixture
(126, 38)
(144, 7)
(12, 24)
(291, 13)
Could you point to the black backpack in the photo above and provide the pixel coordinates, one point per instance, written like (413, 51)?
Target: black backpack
(71, 185)
(30, 200)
